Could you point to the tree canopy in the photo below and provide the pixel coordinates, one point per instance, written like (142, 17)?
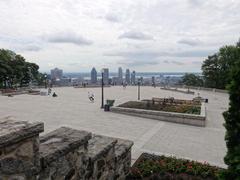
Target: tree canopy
(232, 125)
(16, 71)
(190, 79)
(216, 68)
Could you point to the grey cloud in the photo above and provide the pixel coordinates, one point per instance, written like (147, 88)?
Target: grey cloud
(142, 55)
(197, 62)
(190, 42)
(68, 37)
(177, 62)
(155, 54)
(112, 18)
(166, 61)
(135, 35)
(135, 62)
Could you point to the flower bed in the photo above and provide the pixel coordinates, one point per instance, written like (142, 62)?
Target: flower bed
(182, 108)
(161, 167)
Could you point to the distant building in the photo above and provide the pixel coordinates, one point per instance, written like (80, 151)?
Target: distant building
(120, 75)
(153, 81)
(56, 74)
(93, 76)
(105, 76)
(127, 76)
(133, 78)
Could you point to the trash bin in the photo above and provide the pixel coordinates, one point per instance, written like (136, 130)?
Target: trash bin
(106, 107)
(206, 100)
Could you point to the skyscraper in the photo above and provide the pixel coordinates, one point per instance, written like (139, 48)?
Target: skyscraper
(105, 76)
(133, 78)
(153, 81)
(120, 75)
(93, 76)
(127, 76)
(56, 74)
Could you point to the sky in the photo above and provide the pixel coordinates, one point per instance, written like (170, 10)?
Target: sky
(143, 35)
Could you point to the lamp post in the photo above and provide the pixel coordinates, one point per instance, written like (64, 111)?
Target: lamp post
(102, 91)
(138, 89)
(45, 76)
(30, 76)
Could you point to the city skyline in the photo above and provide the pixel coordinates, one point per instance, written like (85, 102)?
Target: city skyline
(148, 36)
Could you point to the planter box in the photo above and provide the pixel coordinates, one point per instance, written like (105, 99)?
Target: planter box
(182, 118)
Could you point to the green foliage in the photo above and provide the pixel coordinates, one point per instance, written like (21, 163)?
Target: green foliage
(15, 71)
(150, 166)
(216, 68)
(232, 125)
(190, 79)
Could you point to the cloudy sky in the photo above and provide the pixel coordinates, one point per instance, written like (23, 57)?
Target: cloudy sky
(145, 35)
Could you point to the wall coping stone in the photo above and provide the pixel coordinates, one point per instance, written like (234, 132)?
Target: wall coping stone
(99, 145)
(60, 142)
(12, 131)
(122, 147)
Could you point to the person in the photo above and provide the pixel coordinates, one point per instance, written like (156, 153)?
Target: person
(91, 97)
(54, 95)
(49, 91)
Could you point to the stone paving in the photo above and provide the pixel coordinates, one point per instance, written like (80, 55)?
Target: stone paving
(72, 108)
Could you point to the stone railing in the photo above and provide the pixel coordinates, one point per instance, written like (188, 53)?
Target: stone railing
(62, 154)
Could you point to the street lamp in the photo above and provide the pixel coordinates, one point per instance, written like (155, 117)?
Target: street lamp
(102, 91)
(138, 89)
(45, 76)
(30, 76)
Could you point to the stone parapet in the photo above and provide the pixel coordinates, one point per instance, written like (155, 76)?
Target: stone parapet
(63, 154)
(19, 149)
(122, 158)
(101, 153)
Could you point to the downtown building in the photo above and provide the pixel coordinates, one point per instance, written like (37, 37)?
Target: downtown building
(127, 76)
(93, 76)
(56, 74)
(120, 76)
(133, 78)
(105, 76)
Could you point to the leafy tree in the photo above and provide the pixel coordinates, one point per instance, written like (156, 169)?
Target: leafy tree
(15, 71)
(216, 68)
(232, 125)
(190, 79)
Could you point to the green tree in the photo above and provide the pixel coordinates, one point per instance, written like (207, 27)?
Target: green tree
(15, 71)
(232, 125)
(190, 79)
(216, 68)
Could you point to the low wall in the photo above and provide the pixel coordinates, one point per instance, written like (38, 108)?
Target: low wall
(201, 88)
(177, 90)
(63, 154)
(190, 119)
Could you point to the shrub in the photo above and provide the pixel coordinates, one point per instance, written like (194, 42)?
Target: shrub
(232, 125)
(162, 167)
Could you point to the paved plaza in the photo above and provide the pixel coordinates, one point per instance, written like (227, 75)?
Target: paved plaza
(72, 108)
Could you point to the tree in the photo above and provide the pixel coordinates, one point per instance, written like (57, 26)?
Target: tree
(190, 79)
(216, 68)
(15, 71)
(232, 125)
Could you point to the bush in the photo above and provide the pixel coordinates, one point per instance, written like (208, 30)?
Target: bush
(232, 125)
(162, 167)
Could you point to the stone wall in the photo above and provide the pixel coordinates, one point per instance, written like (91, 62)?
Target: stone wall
(64, 154)
(182, 118)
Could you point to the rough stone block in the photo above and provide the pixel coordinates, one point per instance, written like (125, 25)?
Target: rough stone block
(101, 153)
